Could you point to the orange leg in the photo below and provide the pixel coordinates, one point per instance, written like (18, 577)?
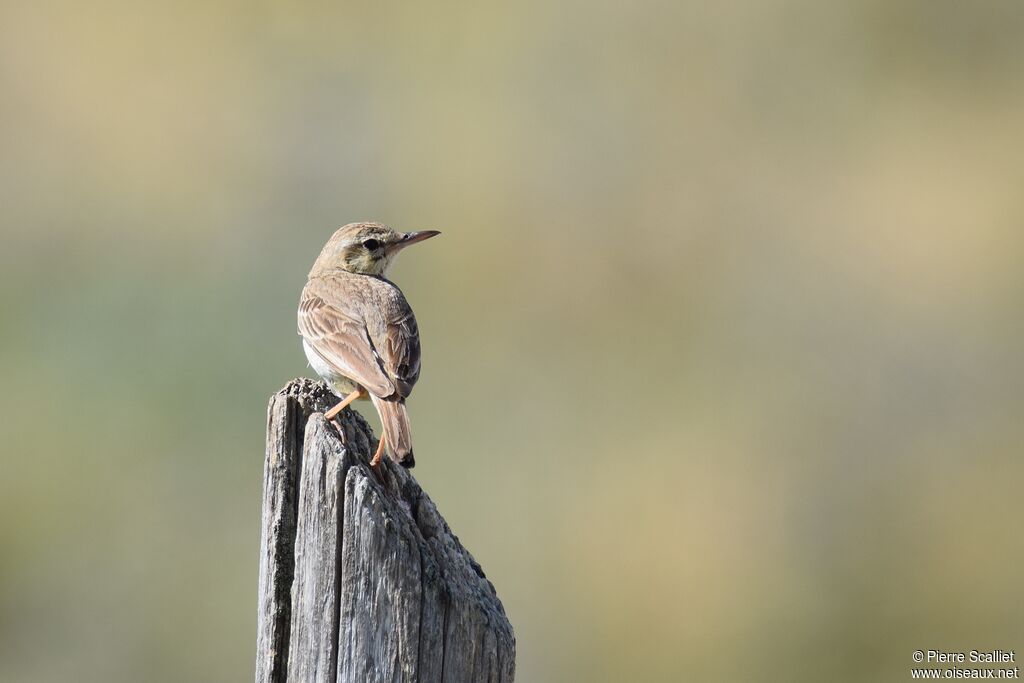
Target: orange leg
(375, 461)
(344, 402)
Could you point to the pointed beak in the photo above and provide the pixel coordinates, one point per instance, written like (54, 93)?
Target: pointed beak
(412, 238)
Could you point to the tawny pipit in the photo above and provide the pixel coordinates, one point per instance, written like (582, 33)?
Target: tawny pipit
(358, 330)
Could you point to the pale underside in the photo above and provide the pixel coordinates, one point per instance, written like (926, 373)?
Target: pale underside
(340, 385)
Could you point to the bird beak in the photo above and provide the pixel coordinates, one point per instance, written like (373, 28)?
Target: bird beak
(412, 238)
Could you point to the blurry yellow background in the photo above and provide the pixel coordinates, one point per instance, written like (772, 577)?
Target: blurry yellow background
(722, 376)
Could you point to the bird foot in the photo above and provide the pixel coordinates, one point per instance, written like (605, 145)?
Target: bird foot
(378, 472)
(375, 461)
(339, 429)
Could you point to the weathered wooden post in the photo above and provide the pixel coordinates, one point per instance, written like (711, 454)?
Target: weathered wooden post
(359, 581)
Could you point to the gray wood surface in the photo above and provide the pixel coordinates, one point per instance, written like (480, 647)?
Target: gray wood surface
(362, 580)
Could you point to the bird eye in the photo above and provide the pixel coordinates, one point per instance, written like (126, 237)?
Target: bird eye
(371, 244)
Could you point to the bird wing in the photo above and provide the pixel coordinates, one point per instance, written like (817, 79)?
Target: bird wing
(343, 341)
(364, 328)
(399, 344)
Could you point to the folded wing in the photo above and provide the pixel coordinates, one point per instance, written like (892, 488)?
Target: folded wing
(343, 342)
(379, 350)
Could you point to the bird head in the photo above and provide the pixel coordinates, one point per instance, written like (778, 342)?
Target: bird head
(365, 248)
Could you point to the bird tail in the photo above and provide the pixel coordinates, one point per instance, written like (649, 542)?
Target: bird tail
(397, 431)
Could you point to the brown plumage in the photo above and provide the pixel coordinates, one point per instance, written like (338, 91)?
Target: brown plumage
(359, 332)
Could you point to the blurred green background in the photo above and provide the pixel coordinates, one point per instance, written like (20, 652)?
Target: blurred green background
(722, 370)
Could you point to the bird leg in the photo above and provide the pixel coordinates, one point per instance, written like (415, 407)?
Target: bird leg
(375, 461)
(344, 402)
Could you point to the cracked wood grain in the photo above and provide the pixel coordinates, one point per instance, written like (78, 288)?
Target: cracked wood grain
(362, 580)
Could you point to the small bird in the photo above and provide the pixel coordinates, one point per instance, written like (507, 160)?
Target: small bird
(359, 332)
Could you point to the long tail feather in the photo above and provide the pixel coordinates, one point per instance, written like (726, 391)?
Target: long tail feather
(397, 432)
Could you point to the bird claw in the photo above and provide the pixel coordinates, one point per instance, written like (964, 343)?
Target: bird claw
(378, 472)
(376, 459)
(339, 430)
